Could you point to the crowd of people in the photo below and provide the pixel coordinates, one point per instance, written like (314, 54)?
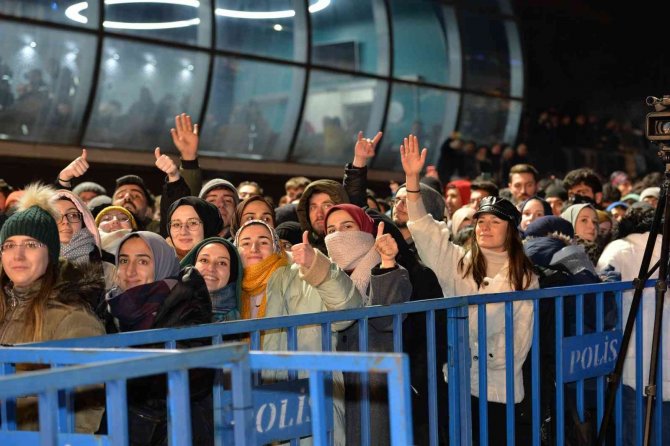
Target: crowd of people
(77, 261)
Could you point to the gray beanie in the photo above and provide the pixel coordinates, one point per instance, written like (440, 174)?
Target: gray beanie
(89, 186)
(219, 183)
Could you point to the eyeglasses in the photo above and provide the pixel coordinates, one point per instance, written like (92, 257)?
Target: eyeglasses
(29, 245)
(71, 217)
(120, 218)
(191, 224)
(399, 201)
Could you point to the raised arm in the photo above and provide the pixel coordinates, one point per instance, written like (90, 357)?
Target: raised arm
(355, 179)
(185, 136)
(75, 169)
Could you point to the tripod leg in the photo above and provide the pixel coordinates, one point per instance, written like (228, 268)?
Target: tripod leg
(615, 376)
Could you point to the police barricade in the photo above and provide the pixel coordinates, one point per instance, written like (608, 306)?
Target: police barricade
(548, 307)
(76, 367)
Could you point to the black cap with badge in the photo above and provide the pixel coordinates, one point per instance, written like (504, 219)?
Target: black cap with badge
(501, 208)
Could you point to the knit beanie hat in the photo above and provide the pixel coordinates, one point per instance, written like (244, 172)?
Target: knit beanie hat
(286, 213)
(208, 213)
(89, 186)
(138, 181)
(291, 231)
(363, 220)
(121, 209)
(35, 217)
(99, 203)
(219, 183)
(571, 213)
(650, 192)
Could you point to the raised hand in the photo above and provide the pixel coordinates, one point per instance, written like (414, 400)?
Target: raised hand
(386, 246)
(185, 137)
(365, 149)
(412, 159)
(75, 169)
(165, 163)
(303, 253)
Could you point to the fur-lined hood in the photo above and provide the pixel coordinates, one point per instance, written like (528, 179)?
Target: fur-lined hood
(81, 285)
(540, 250)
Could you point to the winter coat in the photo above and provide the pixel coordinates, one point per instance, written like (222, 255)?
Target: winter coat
(293, 290)
(68, 315)
(442, 256)
(625, 255)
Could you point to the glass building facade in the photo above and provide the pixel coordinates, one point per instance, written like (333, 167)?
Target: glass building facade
(289, 81)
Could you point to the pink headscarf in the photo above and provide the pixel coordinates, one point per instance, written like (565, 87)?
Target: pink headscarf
(363, 220)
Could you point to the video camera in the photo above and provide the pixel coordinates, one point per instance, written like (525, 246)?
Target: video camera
(658, 122)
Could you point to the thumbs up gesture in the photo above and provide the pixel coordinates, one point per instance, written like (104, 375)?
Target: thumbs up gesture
(386, 246)
(303, 253)
(75, 169)
(165, 163)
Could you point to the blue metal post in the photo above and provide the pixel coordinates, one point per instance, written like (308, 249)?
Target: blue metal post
(117, 411)
(179, 408)
(509, 370)
(8, 405)
(458, 364)
(48, 418)
(535, 373)
(363, 377)
(579, 322)
(243, 407)
(560, 424)
(317, 397)
(483, 376)
(432, 376)
(400, 404)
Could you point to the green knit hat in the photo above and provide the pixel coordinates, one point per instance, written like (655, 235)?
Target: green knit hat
(37, 223)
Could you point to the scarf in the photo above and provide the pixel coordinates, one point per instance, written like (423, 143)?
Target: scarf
(224, 303)
(355, 253)
(255, 282)
(109, 241)
(79, 249)
(136, 308)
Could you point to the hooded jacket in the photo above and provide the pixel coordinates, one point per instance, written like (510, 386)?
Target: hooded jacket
(336, 192)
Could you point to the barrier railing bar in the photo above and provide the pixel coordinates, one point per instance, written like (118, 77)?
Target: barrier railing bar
(482, 359)
(399, 397)
(365, 393)
(618, 409)
(535, 373)
(243, 407)
(48, 417)
(579, 330)
(431, 350)
(509, 371)
(7, 405)
(117, 415)
(639, 369)
(65, 356)
(397, 332)
(560, 404)
(600, 381)
(179, 408)
(317, 396)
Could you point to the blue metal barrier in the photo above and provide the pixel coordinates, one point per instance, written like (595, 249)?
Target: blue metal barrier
(458, 354)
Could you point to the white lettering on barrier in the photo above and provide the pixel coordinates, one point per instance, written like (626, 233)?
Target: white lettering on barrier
(282, 416)
(271, 421)
(589, 356)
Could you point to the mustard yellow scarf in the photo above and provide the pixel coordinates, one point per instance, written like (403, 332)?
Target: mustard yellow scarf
(255, 281)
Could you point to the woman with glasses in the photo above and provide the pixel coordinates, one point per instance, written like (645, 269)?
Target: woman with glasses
(114, 223)
(42, 298)
(190, 220)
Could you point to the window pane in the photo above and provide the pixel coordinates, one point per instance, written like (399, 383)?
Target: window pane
(240, 26)
(484, 119)
(426, 112)
(45, 82)
(338, 107)
(252, 111)
(70, 12)
(493, 6)
(420, 26)
(487, 59)
(184, 21)
(140, 90)
(345, 35)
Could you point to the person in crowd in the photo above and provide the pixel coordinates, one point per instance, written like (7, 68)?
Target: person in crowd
(432, 200)
(271, 287)
(289, 234)
(523, 180)
(12, 201)
(457, 195)
(114, 223)
(494, 262)
(132, 194)
(88, 190)
(5, 190)
(190, 220)
(605, 227)
(294, 187)
(248, 189)
(618, 210)
(532, 209)
(621, 181)
(371, 264)
(481, 189)
(624, 255)
(256, 207)
(151, 291)
(218, 262)
(42, 298)
(99, 203)
(222, 194)
(584, 182)
(610, 195)
(631, 198)
(584, 220)
(79, 237)
(650, 196)
(317, 198)
(462, 219)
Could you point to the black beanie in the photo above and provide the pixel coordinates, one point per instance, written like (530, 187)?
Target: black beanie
(134, 179)
(37, 223)
(208, 213)
(291, 231)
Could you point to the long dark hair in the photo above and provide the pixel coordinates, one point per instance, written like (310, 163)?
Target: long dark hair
(237, 222)
(33, 326)
(520, 267)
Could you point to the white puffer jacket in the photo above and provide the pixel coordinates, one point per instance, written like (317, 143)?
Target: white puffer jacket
(442, 256)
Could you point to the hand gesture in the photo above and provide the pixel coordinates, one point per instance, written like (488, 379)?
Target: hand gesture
(386, 246)
(365, 149)
(185, 137)
(75, 169)
(412, 159)
(165, 163)
(303, 253)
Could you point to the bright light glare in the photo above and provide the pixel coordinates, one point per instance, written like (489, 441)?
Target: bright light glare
(73, 13)
(277, 27)
(261, 15)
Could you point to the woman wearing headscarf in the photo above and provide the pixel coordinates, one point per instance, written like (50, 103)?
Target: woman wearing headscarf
(42, 298)
(219, 264)
(493, 262)
(152, 292)
(584, 220)
(271, 287)
(532, 209)
(371, 264)
(191, 220)
(256, 207)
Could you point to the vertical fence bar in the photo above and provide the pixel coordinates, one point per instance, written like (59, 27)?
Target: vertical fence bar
(48, 418)
(365, 394)
(600, 380)
(483, 376)
(560, 434)
(8, 405)
(618, 409)
(639, 370)
(117, 411)
(292, 345)
(397, 332)
(317, 397)
(460, 419)
(431, 356)
(510, 368)
(400, 407)
(179, 408)
(218, 394)
(535, 374)
(171, 345)
(243, 406)
(326, 337)
(579, 331)
(255, 344)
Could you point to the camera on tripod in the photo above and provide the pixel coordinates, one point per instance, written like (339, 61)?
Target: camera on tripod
(658, 122)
